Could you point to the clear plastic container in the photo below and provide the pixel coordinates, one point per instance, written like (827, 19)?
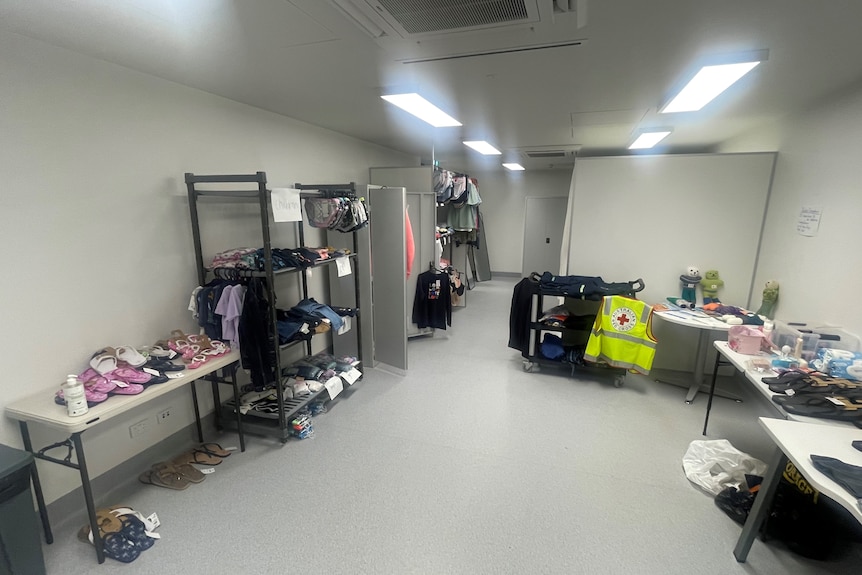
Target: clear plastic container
(785, 334)
(837, 338)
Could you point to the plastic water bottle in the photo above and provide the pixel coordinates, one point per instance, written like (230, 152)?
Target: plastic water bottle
(73, 394)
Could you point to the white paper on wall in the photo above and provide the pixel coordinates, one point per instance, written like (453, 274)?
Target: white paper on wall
(286, 205)
(809, 220)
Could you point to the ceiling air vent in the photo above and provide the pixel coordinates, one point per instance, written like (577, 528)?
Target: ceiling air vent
(545, 154)
(424, 16)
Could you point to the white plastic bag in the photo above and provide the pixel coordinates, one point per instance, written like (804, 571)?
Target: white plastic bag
(715, 464)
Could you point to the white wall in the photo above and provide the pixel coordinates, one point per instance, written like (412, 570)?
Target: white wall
(95, 224)
(651, 217)
(503, 208)
(818, 165)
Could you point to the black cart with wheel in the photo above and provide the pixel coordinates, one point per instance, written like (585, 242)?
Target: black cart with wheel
(559, 340)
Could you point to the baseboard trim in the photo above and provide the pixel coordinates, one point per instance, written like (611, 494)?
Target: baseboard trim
(505, 274)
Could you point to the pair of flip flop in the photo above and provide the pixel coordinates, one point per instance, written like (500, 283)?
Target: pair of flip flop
(124, 533)
(108, 359)
(841, 407)
(204, 454)
(172, 475)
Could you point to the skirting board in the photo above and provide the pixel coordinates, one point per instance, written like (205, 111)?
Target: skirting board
(505, 274)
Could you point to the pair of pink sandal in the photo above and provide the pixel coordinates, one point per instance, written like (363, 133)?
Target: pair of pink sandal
(120, 381)
(195, 349)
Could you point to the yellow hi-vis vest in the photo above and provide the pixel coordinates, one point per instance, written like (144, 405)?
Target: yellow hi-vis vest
(622, 335)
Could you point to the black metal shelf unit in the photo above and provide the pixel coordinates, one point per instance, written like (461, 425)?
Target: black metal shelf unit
(278, 427)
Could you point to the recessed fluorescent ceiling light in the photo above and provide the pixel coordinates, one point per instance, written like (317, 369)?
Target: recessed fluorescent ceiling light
(514, 167)
(422, 109)
(648, 140)
(483, 147)
(707, 84)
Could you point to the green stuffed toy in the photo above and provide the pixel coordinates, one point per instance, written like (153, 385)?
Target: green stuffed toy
(770, 299)
(709, 285)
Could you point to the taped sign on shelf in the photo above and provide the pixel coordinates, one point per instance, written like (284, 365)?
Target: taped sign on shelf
(286, 206)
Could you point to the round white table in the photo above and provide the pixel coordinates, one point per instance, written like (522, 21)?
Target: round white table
(705, 324)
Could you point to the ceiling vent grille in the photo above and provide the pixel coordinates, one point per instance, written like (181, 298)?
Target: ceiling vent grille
(545, 154)
(426, 16)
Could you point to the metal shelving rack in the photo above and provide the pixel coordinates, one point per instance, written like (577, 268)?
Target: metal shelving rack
(278, 427)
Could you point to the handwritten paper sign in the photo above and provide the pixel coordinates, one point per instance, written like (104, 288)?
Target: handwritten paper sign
(809, 220)
(285, 205)
(343, 266)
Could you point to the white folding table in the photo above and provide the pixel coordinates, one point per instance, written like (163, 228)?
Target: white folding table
(41, 409)
(797, 441)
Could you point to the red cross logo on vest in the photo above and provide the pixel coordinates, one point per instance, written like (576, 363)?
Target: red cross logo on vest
(623, 319)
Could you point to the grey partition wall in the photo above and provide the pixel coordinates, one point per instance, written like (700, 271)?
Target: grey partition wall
(388, 272)
(421, 207)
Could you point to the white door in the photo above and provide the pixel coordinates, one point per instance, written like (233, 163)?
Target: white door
(543, 234)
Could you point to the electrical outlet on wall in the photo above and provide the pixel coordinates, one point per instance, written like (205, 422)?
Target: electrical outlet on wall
(139, 428)
(164, 414)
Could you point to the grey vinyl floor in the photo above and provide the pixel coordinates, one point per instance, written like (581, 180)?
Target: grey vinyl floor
(465, 465)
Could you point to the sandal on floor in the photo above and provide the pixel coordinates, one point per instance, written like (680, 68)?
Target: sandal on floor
(214, 449)
(190, 472)
(197, 456)
(166, 475)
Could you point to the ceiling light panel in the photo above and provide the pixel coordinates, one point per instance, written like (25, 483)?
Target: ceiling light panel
(706, 85)
(483, 147)
(514, 167)
(422, 109)
(648, 139)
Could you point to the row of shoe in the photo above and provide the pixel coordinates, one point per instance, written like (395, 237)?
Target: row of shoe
(125, 370)
(194, 349)
(180, 472)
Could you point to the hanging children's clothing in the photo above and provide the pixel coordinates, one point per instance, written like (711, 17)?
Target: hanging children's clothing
(432, 306)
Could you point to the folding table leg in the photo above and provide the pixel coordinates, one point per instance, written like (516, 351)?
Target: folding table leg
(761, 507)
(711, 391)
(37, 484)
(88, 495)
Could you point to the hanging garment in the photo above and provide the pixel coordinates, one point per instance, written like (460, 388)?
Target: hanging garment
(411, 245)
(257, 342)
(622, 335)
(432, 306)
(519, 315)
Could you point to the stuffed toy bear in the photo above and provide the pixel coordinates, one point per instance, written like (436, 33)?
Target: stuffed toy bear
(689, 280)
(770, 299)
(710, 285)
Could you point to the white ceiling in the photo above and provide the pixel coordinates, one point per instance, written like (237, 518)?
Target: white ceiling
(308, 60)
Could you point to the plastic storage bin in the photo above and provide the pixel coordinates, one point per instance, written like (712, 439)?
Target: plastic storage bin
(785, 334)
(837, 338)
(20, 541)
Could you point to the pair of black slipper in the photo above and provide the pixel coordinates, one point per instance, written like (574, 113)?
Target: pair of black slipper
(840, 407)
(795, 382)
